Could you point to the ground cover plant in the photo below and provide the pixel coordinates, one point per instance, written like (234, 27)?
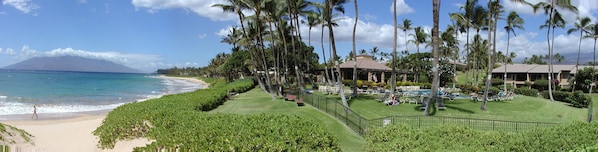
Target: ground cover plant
(179, 122)
(563, 137)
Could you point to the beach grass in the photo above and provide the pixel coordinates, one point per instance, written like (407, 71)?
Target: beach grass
(255, 101)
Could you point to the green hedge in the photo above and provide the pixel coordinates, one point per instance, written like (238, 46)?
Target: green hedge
(178, 122)
(577, 98)
(454, 138)
(526, 92)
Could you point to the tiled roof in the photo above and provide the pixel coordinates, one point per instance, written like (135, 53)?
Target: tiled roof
(515, 68)
(533, 68)
(573, 71)
(365, 62)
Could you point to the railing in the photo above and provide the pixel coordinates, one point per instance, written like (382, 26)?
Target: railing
(361, 125)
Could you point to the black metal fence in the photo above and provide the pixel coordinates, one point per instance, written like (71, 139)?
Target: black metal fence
(361, 125)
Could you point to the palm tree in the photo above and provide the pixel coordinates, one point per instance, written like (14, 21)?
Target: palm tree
(480, 21)
(592, 32)
(237, 6)
(513, 22)
(494, 12)
(354, 50)
(406, 26)
(551, 11)
(393, 79)
(580, 25)
(435, 43)
(419, 37)
(337, 5)
(465, 20)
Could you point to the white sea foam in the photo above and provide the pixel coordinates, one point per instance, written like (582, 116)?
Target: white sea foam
(16, 106)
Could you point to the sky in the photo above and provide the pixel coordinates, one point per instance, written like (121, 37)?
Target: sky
(153, 34)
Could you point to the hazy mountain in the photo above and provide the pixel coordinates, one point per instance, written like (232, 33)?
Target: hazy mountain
(71, 63)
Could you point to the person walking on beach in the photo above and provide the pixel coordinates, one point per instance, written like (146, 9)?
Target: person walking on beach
(34, 112)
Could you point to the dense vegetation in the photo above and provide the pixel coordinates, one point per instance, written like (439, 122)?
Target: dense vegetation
(450, 138)
(179, 122)
(9, 133)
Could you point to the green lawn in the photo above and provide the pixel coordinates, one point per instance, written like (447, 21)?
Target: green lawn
(522, 108)
(256, 101)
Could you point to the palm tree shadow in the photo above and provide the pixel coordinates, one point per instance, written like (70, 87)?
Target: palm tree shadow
(460, 109)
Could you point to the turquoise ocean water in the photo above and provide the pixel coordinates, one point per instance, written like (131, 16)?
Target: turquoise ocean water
(70, 92)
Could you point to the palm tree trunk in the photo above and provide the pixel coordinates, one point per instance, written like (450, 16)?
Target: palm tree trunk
(291, 17)
(327, 77)
(393, 79)
(549, 56)
(435, 43)
(577, 63)
(489, 76)
(590, 104)
(506, 60)
(338, 69)
(354, 51)
(467, 58)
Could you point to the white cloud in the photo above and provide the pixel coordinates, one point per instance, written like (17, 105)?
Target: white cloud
(201, 7)
(402, 8)
(202, 36)
(82, 1)
(24, 6)
(585, 8)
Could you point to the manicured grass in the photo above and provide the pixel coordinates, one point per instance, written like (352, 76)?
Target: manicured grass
(522, 108)
(256, 101)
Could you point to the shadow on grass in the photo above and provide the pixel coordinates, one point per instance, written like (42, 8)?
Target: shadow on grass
(459, 109)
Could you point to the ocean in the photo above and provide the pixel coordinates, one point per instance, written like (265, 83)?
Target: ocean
(72, 92)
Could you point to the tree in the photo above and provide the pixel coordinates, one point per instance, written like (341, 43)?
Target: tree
(551, 11)
(465, 20)
(393, 79)
(355, 51)
(494, 12)
(593, 34)
(406, 26)
(338, 6)
(580, 25)
(435, 69)
(419, 37)
(513, 22)
(237, 6)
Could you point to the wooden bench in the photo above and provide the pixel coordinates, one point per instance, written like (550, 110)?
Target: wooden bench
(291, 97)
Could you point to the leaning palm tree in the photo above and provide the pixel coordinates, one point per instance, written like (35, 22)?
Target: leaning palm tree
(592, 32)
(513, 22)
(580, 25)
(435, 44)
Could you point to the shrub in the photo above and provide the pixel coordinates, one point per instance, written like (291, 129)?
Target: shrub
(526, 92)
(399, 137)
(178, 122)
(540, 85)
(579, 99)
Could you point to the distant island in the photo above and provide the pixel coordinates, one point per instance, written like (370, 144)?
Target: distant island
(71, 63)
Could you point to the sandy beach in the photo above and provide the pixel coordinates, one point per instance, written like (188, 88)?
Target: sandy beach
(73, 133)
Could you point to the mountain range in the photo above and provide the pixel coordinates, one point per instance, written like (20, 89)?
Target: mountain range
(71, 63)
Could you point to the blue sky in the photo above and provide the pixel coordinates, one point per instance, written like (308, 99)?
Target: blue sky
(151, 34)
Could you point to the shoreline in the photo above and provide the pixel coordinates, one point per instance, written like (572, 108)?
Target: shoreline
(73, 131)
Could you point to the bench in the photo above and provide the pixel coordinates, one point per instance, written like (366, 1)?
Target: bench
(290, 97)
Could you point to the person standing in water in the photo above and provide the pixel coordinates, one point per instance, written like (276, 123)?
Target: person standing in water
(34, 112)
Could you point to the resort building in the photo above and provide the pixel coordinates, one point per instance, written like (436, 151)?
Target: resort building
(367, 69)
(519, 74)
